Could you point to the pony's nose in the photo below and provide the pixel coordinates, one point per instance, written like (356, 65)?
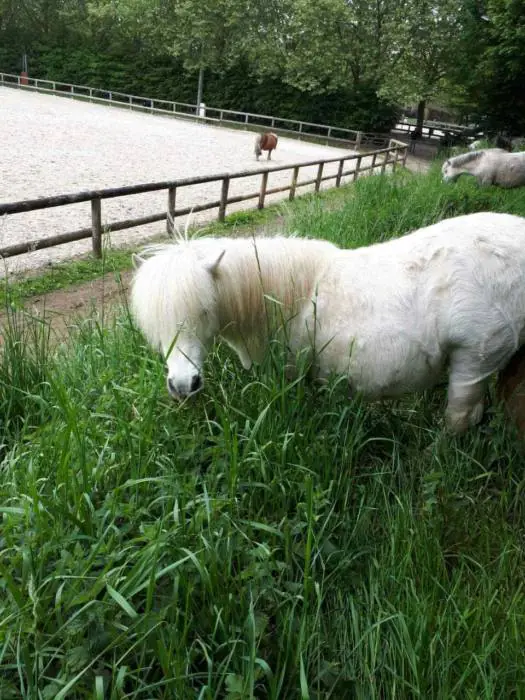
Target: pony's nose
(196, 383)
(179, 389)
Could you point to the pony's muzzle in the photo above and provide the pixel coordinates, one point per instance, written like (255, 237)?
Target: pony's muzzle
(180, 389)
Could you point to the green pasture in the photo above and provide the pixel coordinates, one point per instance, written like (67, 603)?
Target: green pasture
(268, 539)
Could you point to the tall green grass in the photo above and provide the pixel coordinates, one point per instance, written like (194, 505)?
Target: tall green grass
(378, 208)
(269, 539)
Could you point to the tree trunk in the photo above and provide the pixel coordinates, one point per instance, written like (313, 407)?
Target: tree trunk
(420, 117)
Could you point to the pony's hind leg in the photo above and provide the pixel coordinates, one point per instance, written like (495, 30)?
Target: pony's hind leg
(466, 396)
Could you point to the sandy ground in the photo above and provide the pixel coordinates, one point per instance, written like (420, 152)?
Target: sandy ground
(53, 145)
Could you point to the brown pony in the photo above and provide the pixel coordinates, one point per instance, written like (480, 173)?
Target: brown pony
(265, 142)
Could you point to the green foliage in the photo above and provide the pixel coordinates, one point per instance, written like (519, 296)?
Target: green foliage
(351, 69)
(431, 37)
(163, 77)
(135, 47)
(489, 68)
(504, 97)
(270, 538)
(355, 108)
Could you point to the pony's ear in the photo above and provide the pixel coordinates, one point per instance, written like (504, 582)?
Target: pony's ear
(213, 265)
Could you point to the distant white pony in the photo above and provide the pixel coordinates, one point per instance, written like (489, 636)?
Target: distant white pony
(491, 166)
(390, 316)
(474, 146)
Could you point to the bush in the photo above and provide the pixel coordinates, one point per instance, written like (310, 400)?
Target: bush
(163, 77)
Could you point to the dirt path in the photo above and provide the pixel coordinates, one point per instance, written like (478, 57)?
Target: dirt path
(81, 298)
(64, 306)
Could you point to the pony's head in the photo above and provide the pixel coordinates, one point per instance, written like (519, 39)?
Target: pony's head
(173, 300)
(454, 167)
(257, 146)
(449, 172)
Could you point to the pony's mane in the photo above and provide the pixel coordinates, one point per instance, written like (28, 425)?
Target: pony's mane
(466, 157)
(273, 273)
(178, 237)
(276, 272)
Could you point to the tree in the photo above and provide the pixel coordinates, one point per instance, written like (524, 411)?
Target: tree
(327, 45)
(432, 31)
(500, 76)
(204, 36)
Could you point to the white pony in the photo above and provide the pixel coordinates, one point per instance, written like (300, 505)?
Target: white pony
(474, 146)
(491, 166)
(389, 316)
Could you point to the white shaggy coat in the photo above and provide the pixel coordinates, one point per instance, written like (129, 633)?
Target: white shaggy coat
(390, 316)
(491, 166)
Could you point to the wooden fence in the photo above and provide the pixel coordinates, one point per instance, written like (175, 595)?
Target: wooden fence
(431, 130)
(394, 154)
(334, 135)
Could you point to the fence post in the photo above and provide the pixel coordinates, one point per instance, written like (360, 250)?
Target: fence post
(358, 167)
(374, 157)
(96, 226)
(396, 153)
(262, 193)
(319, 176)
(170, 217)
(385, 161)
(358, 139)
(405, 154)
(293, 184)
(224, 198)
(339, 173)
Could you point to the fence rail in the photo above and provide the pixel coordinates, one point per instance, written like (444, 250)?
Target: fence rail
(394, 154)
(214, 115)
(429, 130)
